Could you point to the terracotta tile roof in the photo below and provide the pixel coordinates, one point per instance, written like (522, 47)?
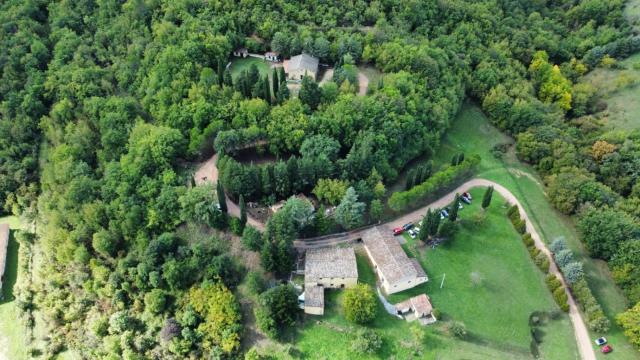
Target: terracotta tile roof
(314, 296)
(418, 304)
(392, 261)
(303, 62)
(330, 263)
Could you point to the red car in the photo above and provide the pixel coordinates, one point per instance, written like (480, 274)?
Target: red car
(606, 349)
(398, 231)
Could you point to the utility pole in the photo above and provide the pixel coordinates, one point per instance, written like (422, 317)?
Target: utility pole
(442, 283)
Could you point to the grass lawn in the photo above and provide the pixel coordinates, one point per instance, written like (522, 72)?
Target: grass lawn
(374, 75)
(496, 312)
(472, 133)
(622, 105)
(239, 64)
(12, 332)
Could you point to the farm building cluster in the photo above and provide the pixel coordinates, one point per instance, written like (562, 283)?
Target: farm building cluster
(336, 268)
(296, 67)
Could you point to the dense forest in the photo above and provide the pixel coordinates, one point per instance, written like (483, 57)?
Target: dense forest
(106, 103)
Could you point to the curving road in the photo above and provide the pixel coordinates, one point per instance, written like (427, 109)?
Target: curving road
(208, 172)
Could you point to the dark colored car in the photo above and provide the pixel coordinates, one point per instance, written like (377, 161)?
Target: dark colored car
(407, 226)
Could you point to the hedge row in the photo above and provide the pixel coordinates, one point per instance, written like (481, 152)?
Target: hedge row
(559, 295)
(574, 275)
(539, 258)
(439, 182)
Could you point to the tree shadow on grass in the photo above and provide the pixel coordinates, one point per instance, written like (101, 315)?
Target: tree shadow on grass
(11, 271)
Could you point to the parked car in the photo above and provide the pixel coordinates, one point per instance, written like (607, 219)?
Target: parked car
(467, 195)
(444, 213)
(416, 230)
(465, 199)
(420, 223)
(460, 205)
(407, 226)
(600, 341)
(606, 349)
(398, 231)
(412, 233)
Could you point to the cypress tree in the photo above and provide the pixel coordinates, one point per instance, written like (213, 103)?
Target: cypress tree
(428, 169)
(228, 79)
(282, 77)
(275, 82)
(243, 212)
(434, 223)
(220, 72)
(454, 160)
(424, 231)
(221, 198)
(266, 91)
(411, 179)
(486, 199)
(460, 157)
(283, 92)
(453, 214)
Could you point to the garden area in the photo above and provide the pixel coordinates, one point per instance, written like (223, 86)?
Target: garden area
(240, 64)
(472, 133)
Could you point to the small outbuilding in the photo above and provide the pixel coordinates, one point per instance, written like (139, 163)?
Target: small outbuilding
(241, 52)
(313, 299)
(4, 245)
(417, 308)
(272, 56)
(300, 66)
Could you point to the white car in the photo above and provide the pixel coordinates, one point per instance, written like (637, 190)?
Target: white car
(416, 230)
(412, 233)
(600, 341)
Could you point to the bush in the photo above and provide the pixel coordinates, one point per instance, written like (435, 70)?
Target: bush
(573, 272)
(255, 283)
(542, 261)
(439, 181)
(527, 240)
(560, 296)
(521, 226)
(251, 239)
(513, 212)
(534, 252)
(367, 341)
(553, 282)
(360, 304)
(563, 257)
(236, 226)
(458, 329)
(558, 245)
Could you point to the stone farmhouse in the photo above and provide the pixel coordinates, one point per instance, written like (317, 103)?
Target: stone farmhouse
(417, 308)
(396, 271)
(300, 66)
(332, 268)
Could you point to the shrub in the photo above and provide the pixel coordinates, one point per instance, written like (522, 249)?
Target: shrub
(573, 272)
(360, 304)
(542, 261)
(528, 240)
(458, 329)
(236, 226)
(598, 322)
(251, 239)
(560, 296)
(563, 257)
(553, 282)
(521, 226)
(534, 252)
(255, 282)
(513, 212)
(558, 245)
(366, 341)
